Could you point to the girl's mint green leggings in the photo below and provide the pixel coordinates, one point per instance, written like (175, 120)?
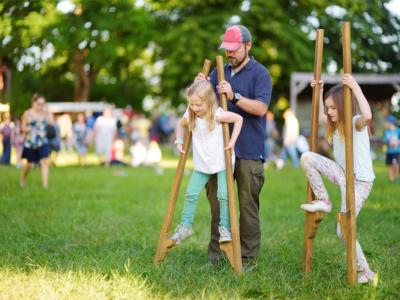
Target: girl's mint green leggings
(193, 191)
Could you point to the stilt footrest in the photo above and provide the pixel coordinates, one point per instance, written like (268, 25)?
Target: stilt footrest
(342, 219)
(313, 219)
(167, 245)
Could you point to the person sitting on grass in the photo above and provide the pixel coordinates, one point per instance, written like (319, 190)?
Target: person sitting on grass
(204, 119)
(315, 165)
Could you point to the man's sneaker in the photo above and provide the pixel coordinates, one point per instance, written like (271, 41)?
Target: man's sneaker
(181, 233)
(249, 265)
(317, 205)
(366, 277)
(224, 234)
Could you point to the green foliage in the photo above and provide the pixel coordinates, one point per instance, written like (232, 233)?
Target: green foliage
(375, 36)
(132, 49)
(188, 32)
(110, 37)
(283, 33)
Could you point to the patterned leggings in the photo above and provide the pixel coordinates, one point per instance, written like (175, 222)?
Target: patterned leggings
(314, 166)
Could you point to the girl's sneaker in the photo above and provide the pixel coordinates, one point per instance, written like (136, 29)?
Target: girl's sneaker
(317, 205)
(224, 234)
(181, 233)
(366, 277)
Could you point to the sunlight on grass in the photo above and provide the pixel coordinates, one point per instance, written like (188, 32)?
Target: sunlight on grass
(41, 283)
(67, 159)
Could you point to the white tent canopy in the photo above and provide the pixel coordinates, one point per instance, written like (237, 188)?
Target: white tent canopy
(75, 107)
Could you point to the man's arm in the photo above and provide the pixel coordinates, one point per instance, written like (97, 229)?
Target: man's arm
(252, 106)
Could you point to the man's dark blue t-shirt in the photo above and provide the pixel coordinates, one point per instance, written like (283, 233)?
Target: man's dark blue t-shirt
(254, 82)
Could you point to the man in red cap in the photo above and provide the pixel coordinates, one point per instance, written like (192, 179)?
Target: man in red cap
(248, 88)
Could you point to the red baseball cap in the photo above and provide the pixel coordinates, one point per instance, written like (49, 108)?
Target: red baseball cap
(234, 37)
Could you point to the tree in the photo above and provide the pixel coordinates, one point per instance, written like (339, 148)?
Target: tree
(94, 40)
(100, 37)
(284, 32)
(188, 32)
(113, 50)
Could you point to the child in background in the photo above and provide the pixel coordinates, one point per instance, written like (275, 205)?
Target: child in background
(204, 119)
(80, 139)
(315, 165)
(391, 137)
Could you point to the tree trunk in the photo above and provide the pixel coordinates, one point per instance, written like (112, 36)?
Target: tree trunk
(5, 80)
(84, 79)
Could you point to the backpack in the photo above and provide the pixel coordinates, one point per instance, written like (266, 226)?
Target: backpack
(50, 131)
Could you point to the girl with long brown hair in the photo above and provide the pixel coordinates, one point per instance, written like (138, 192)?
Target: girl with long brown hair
(315, 165)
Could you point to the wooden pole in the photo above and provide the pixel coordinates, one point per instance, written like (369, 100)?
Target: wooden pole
(232, 249)
(165, 244)
(348, 134)
(313, 219)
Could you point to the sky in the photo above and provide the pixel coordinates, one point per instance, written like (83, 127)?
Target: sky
(394, 7)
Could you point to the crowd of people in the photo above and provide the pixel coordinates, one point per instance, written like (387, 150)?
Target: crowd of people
(118, 137)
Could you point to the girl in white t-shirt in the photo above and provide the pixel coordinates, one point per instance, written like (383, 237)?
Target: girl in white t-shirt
(203, 118)
(315, 165)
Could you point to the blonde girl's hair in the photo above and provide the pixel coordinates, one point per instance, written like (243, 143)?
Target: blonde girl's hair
(336, 93)
(204, 90)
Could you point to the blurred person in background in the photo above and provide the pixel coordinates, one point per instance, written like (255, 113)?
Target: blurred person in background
(80, 139)
(18, 142)
(117, 153)
(36, 146)
(7, 136)
(66, 132)
(154, 156)
(271, 135)
(291, 132)
(53, 136)
(391, 137)
(104, 133)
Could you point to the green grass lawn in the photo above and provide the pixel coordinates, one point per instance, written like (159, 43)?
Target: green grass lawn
(93, 235)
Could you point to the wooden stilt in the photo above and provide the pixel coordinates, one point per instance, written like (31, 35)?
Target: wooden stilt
(232, 249)
(165, 244)
(312, 220)
(342, 219)
(348, 134)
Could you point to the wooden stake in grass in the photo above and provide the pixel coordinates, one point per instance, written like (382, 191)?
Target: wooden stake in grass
(165, 244)
(350, 214)
(231, 249)
(313, 219)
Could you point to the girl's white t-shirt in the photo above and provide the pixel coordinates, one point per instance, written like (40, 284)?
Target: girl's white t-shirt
(361, 153)
(208, 146)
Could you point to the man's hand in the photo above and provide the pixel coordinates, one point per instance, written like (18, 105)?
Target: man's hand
(224, 87)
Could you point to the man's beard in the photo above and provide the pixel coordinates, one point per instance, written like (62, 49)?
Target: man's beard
(235, 63)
